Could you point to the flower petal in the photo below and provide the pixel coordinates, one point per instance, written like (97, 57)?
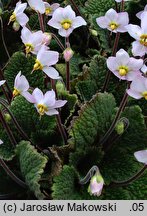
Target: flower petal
(52, 112)
(134, 94)
(59, 103)
(103, 22)
(134, 31)
(38, 95)
(78, 21)
(22, 19)
(138, 49)
(141, 156)
(51, 72)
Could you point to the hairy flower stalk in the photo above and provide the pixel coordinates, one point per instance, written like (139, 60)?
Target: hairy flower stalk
(130, 180)
(67, 67)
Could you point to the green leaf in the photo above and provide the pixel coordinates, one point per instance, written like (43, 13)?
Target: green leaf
(65, 184)
(6, 149)
(93, 121)
(32, 166)
(96, 6)
(19, 62)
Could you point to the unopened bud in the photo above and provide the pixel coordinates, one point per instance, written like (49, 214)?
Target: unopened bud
(46, 38)
(119, 128)
(16, 26)
(7, 117)
(93, 32)
(68, 54)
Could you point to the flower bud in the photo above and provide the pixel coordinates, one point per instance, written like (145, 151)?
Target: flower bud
(119, 128)
(93, 32)
(46, 38)
(68, 54)
(7, 117)
(96, 184)
(16, 26)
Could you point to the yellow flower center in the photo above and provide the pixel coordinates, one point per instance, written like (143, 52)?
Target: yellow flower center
(48, 10)
(42, 109)
(15, 92)
(144, 94)
(113, 25)
(143, 39)
(123, 70)
(66, 24)
(29, 48)
(37, 65)
(12, 17)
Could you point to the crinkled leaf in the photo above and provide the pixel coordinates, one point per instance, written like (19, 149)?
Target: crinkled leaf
(32, 166)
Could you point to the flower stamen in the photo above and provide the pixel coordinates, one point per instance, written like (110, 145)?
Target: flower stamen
(113, 25)
(16, 92)
(42, 109)
(28, 48)
(66, 24)
(144, 94)
(37, 65)
(143, 39)
(123, 70)
(48, 11)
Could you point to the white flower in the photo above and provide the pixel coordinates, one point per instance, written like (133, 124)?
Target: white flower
(65, 20)
(37, 5)
(31, 40)
(50, 8)
(141, 156)
(19, 15)
(1, 142)
(46, 58)
(21, 85)
(46, 103)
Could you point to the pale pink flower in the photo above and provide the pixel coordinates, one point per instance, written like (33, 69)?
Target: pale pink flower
(46, 38)
(46, 58)
(139, 47)
(1, 142)
(141, 156)
(21, 85)
(141, 12)
(19, 15)
(123, 66)
(68, 54)
(113, 21)
(65, 20)
(2, 82)
(31, 40)
(96, 185)
(37, 5)
(46, 103)
(138, 87)
(50, 8)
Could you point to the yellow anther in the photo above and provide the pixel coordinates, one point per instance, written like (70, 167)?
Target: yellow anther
(143, 39)
(15, 92)
(29, 48)
(12, 17)
(37, 65)
(42, 109)
(113, 26)
(144, 94)
(66, 24)
(123, 70)
(48, 10)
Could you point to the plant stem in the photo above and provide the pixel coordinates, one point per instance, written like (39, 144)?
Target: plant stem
(21, 132)
(58, 41)
(3, 40)
(75, 8)
(107, 78)
(130, 180)
(122, 5)
(8, 130)
(118, 114)
(61, 129)
(58, 118)
(67, 68)
(89, 175)
(12, 175)
(41, 22)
